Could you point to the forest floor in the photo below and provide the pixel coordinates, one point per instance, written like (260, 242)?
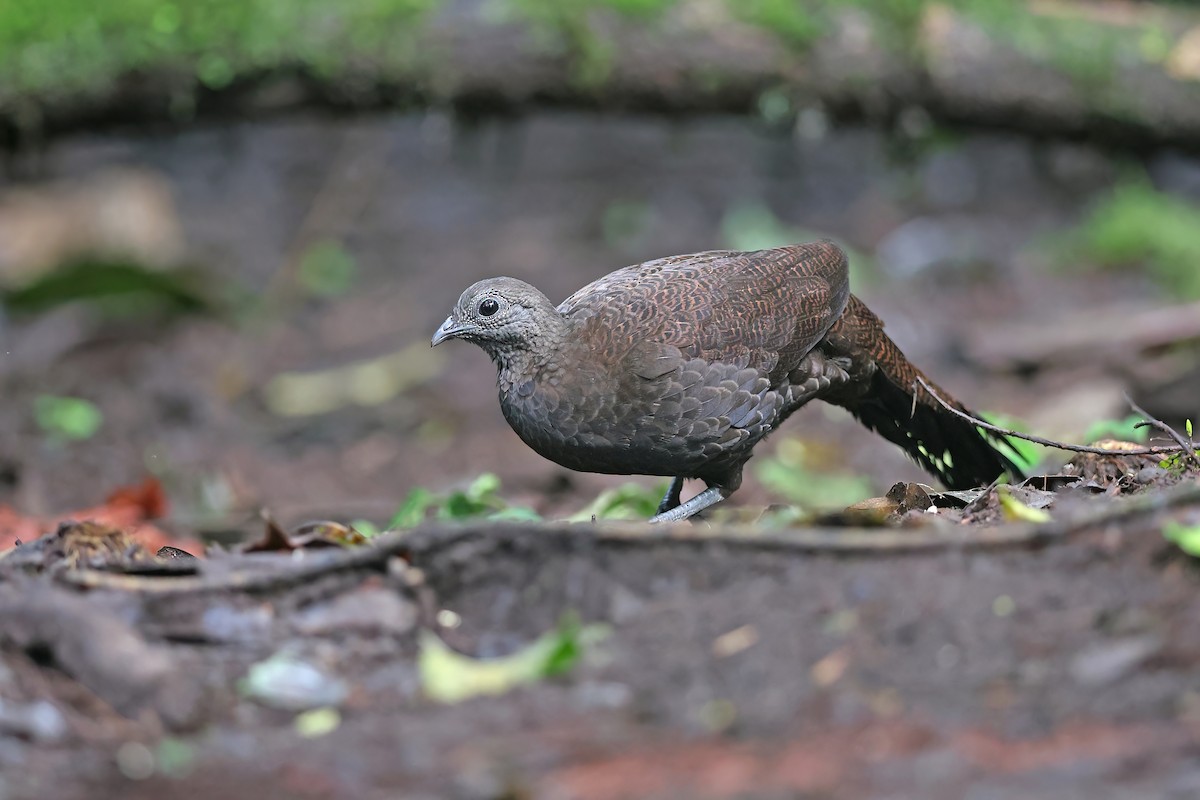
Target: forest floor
(1049, 650)
(1054, 659)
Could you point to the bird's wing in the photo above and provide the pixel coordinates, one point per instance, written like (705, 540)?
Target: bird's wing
(763, 309)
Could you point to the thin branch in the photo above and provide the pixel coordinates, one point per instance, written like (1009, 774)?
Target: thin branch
(421, 546)
(1074, 448)
(1187, 447)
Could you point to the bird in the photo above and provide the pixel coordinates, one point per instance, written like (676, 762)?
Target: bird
(681, 366)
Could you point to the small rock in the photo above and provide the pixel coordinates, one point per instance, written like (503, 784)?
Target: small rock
(1149, 475)
(289, 684)
(39, 721)
(1101, 664)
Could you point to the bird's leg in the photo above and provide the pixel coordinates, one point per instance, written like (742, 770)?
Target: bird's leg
(709, 497)
(671, 498)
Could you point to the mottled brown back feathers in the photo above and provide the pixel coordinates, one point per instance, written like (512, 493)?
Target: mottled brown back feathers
(752, 309)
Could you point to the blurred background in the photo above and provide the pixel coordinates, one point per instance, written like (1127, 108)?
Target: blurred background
(227, 231)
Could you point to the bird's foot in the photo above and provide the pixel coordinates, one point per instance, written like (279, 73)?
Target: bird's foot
(671, 498)
(706, 499)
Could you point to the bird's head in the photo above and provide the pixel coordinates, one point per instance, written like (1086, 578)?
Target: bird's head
(504, 316)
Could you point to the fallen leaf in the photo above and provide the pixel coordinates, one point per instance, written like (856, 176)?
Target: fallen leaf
(451, 677)
(128, 509)
(1017, 511)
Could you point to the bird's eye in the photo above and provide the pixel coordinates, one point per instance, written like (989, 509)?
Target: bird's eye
(488, 307)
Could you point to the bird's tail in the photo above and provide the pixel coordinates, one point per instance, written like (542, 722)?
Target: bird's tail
(898, 408)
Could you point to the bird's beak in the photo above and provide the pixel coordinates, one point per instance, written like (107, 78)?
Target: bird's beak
(448, 330)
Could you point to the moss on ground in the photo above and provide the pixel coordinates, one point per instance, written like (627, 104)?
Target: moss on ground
(51, 48)
(569, 26)
(1082, 48)
(80, 49)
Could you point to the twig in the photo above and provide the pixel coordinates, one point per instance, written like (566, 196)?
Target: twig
(1074, 448)
(1187, 447)
(247, 574)
(420, 546)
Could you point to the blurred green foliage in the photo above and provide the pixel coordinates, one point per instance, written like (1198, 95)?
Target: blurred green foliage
(1124, 430)
(796, 473)
(630, 501)
(1080, 47)
(67, 418)
(59, 46)
(56, 47)
(803, 23)
(327, 269)
(787, 18)
(626, 224)
(481, 499)
(568, 25)
(1136, 225)
(754, 226)
(116, 289)
(1185, 537)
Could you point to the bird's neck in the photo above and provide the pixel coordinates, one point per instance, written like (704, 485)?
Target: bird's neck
(517, 366)
(531, 357)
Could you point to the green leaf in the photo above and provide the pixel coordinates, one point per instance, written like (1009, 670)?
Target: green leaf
(480, 499)
(629, 501)
(1016, 511)
(515, 514)
(412, 510)
(450, 677)
(460, 505)
(1185, 537)
(366, 527)
(69, 418)
(317, 722)
(483, 489)
(119, 289)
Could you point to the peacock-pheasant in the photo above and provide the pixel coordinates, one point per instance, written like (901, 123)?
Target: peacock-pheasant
(680, 366)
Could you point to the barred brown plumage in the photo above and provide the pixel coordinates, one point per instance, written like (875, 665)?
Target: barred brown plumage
(680, 366)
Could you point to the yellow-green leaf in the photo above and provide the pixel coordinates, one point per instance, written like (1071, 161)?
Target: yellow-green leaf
(1185, 537)
(450, 677)
(1016, 511)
